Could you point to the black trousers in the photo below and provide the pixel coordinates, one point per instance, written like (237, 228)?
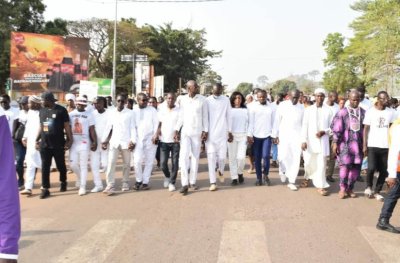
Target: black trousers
(391, 200)
(165, 150)
(59, 157)
(377, 160)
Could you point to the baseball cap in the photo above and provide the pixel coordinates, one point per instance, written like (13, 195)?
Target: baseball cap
(48, 96)
(81, 100)
(23, 100)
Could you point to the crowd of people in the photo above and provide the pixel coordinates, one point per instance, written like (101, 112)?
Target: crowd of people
(320, 131)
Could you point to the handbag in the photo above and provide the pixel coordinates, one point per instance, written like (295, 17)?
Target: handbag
(19, 132)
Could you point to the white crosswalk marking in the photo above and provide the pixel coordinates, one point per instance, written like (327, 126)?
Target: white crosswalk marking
(97, 244)
(243, 241)
(385, 245)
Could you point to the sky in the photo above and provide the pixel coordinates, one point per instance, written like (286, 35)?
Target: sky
(275, 38)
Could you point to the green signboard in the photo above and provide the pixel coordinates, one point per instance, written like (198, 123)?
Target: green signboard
(104, 86)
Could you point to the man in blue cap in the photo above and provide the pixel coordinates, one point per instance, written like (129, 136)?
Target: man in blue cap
(10, 218)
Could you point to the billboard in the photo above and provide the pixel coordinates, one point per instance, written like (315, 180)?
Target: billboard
(44, 62)
(104, 86)
(142, 77)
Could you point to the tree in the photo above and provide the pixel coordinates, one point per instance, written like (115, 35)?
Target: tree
(244, 88)
(56, 27)
(283, 86)
(16, 15)
(262, 81)
(181, 53)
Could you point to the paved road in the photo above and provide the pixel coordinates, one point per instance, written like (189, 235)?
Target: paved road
(241, 224)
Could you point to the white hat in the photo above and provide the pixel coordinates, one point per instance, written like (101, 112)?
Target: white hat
(70, 96)
(81, 100)
(320, 90)
(34, 98)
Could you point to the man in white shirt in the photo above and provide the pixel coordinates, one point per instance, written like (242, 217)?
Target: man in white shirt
(98, 158)
(32, 157)
(393, 181)
(168, 116)
(287, 134)
(8, 112)
(193, 125)
(146, 143)
(85, 139)
(331, 102)
(315, 141)
(261, 120)
(219, 111)
(120, 134)
(18, 132)
(376, 129)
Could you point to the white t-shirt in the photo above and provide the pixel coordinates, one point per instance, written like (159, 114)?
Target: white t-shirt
(80, 123)
(10, 116)
(378, 121)
(23, 117)
(168, 118)
(239, 120)
(100, 120)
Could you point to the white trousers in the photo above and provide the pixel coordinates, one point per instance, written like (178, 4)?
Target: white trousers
(98, 159)
(216, 153)
(315, 167)
(112, 162)
(190, 147)
(289, 153)
(79, 160)
(237, 154)
(33, 162)
(145, 152)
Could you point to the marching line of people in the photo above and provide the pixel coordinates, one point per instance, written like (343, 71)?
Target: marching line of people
(322, 133)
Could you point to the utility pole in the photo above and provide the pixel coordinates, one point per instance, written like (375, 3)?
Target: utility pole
(133, 74)
(114, 80)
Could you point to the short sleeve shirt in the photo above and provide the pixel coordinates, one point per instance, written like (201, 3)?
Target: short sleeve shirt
(52, 127)
(379, 122)
(80, 123)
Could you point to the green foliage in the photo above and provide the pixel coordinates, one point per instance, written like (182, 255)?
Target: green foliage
(56, 27)
(244, 88)
(181, 53)
(283, 86)
(371, 56)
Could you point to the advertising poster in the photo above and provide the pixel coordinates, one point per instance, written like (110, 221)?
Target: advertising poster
(142, 77)
(44, 62)
(159, 86)
(88, 88)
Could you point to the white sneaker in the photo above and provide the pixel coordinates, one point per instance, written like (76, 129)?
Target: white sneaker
(379, 197)
(125, 187)
(283, 177)
(82, 191)
(77, 185)
(292, 187)
(102, 170)
(166, 182)
(171, 187)
(213, 187)
(97, 189)
(368, 192)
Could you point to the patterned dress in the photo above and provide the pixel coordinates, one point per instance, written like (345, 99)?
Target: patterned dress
(347, 132)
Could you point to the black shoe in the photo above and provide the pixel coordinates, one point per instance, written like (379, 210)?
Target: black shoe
(234, 182)
(259, 183)
(137, 185)
(184, 190)
(383, 224)
(267, 181)
(241, 179)
(330, 179)
(63, 186)
(360, 179)
(145, 187)
(193, 187)
(45, 193)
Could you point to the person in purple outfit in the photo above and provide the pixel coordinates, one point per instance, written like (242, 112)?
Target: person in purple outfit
(347, 143)
(10, 217)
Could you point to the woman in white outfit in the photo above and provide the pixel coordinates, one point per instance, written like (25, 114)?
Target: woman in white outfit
(238, 144)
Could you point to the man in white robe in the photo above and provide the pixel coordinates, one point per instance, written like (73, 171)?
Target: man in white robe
(146, 145)
(315, 141)
(193, 120)
(287, 134)
(32, 158)
(219, 111)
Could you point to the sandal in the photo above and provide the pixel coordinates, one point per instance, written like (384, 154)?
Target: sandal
(351, 194)
(305, 183)
(342, 194)
(322, 192)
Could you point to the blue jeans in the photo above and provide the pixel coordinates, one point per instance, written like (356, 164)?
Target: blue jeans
(261, 152)
(20, 152)
(165, 150)
(274, 152)
(391, 200)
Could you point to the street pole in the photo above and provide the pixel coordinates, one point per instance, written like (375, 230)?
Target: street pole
(133, 75)
(114, 86)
